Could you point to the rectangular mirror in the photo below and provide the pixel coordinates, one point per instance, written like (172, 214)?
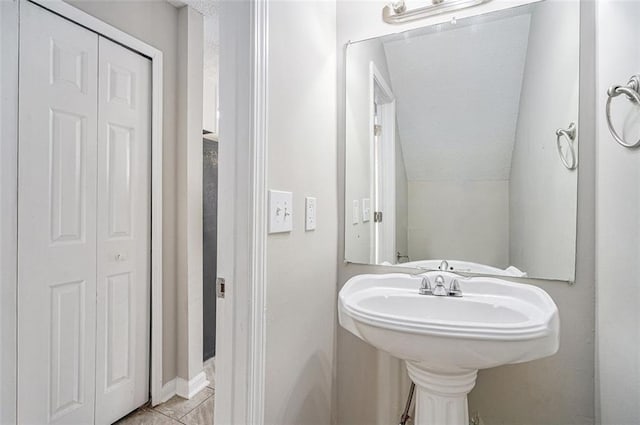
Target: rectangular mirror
(462, 144)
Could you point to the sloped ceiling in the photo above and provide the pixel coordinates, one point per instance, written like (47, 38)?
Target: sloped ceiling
(457, 95)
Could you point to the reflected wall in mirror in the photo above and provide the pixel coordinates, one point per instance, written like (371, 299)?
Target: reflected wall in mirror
(453, 148)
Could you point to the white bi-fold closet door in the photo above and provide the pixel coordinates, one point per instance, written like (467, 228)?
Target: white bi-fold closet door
(83, 224)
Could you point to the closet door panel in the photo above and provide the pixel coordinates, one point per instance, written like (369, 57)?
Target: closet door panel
(56, 219)
(123, 232)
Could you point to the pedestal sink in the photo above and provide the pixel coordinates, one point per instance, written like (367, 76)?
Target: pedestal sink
(445, 340)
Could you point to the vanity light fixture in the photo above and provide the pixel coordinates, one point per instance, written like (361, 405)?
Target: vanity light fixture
(396, 12)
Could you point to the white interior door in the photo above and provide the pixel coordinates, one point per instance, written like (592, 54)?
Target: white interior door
(383, 188)
(387, 188)
(84, 224)
(384, 184)
(56, 219)
(123, 231)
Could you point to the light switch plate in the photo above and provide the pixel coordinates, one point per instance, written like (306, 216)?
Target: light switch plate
(280, 211)
(366, 210)
(356, 212)
(310, 213)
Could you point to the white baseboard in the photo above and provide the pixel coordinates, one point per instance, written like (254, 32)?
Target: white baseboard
(187, 389)
(183, 388)
(168, 390)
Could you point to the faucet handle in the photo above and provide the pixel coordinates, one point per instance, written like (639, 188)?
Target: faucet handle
(454, 289)
(425, 286)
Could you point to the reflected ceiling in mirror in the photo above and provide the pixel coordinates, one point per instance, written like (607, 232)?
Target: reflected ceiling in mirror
(455, 149)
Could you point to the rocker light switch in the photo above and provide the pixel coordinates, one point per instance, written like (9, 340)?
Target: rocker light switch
(310, 213)
(280, 211)
(356, 212)
(366, 210)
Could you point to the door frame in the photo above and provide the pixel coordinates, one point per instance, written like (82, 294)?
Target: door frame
(242, 183)
(388, 141)
(9, 207)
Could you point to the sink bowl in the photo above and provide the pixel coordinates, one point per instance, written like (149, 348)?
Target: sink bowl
(445, 340)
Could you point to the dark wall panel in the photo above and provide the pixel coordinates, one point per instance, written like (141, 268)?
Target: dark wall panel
(210, 243)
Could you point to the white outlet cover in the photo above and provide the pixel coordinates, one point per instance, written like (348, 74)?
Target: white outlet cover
(366, 210)
(310, 213)
(280, 211)
(356, 212)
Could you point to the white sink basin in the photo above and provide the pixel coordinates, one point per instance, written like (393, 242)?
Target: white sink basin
(445, 340)
(464, 267)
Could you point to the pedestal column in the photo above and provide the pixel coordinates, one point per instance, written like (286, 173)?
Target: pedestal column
(441, 398)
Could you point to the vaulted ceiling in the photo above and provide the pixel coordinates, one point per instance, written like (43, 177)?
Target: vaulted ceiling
(457, 90)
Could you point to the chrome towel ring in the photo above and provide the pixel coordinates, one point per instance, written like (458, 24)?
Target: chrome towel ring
(570, 135)
(631, 91)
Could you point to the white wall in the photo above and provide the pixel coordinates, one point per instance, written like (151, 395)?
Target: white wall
(459, 220)
(617, 212)
(8, 210)
(301, 266)
(402, 200)
(234, 203)
(210, 100)
(211, 70)
(358, 168)
(557, 390)
(156, 23)
(542, 191)
(189, 196)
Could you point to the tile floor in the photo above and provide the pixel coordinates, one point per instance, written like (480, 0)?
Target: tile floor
(176, 411)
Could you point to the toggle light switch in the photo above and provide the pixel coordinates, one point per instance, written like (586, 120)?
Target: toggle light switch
(280, 211)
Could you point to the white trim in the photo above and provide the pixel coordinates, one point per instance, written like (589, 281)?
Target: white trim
(189, 307)
(386, 251)
(232, 176)
(372, 141)
(8, 208)
(258, 276)
(388, 113)
(240, 357)
(168, 390)
(187, 389)
(376, 76)
(76, 15)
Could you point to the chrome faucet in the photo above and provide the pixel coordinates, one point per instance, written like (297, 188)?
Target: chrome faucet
(444, 265)
(454, 289)
(425, 286)
(439, 290)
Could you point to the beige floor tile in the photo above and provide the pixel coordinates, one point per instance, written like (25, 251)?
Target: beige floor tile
(147, 416)
(201, 415)
(177, 407)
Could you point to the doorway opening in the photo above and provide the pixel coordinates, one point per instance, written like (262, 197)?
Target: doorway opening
(210, 244)
(383, 153)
